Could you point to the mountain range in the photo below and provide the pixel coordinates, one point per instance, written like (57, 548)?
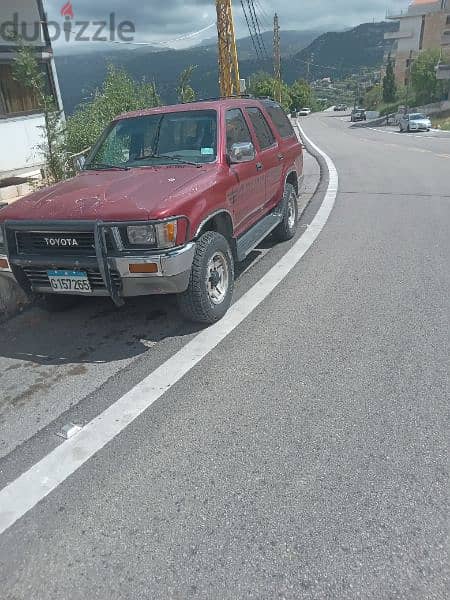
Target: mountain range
(332, 54)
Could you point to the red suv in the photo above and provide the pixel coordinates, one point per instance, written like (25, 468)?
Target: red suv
(166, 202)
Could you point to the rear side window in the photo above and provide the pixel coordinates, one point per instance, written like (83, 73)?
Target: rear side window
(280, 120)
(237, 130)
(263, 132)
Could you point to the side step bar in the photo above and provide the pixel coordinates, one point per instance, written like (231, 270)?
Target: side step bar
(248, 242)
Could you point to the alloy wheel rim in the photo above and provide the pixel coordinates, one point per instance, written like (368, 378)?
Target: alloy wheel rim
(217, 278)
(291, 212)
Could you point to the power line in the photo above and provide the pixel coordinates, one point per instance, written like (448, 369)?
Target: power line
(250, 30)
(254, 28)
(260, 37)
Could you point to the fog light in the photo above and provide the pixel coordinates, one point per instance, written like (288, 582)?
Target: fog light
(143, 268)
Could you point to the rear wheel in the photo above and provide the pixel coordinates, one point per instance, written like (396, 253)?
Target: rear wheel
(288, 227)
(211, 283)
(53, 303)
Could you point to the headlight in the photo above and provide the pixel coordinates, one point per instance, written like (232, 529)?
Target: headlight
(141, 235)
(166, 234)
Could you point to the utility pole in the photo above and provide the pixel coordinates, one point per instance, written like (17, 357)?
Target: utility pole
(229, 80)
(309, 62)
(408, 87)
(277, 58)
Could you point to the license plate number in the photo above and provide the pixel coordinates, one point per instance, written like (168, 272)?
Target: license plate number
(69, 281)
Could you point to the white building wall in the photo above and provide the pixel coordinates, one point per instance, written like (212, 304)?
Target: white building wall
(21, 134)
(19, 138)
(412, 25)
(28, 13)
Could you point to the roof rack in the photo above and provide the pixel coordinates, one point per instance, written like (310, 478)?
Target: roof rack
(217, 98)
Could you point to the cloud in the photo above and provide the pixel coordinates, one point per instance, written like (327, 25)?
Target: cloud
(159, 20)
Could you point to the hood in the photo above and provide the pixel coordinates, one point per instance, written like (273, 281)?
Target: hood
(137, 194)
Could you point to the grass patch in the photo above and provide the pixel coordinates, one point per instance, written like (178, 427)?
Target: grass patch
(442, 121)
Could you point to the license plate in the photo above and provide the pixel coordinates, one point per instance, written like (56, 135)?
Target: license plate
(69, 281)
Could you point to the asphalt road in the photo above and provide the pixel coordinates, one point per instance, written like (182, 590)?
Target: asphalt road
(305, 456)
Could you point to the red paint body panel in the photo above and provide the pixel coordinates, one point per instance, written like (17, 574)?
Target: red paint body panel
(165, 191)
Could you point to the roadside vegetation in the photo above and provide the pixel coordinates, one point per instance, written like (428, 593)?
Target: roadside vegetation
(53, 147)
(442, 121)
(423, 88)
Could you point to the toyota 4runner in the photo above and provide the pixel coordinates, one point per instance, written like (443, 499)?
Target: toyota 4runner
(166, 202)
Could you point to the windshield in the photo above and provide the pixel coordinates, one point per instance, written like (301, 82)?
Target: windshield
(417, 117)
(169, 138)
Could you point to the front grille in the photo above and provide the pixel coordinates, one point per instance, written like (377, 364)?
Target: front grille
(63, 243)
(38, 278)
(60, 243)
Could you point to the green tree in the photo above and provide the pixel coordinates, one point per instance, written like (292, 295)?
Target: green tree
(118, 94)
(426, 86)
(301, 95)
(389, 85)
(263, 85)
(184, 89)
(27, 72)
(373, 97)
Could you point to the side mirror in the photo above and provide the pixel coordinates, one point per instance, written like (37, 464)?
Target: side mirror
(242, 152)
(79, 162)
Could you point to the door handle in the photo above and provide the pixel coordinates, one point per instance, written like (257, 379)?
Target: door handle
(281, 156)
(259, 166)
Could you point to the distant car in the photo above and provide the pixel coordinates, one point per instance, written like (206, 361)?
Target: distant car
(359, 114)
(414, 122)
(304, 112)
(340, 108)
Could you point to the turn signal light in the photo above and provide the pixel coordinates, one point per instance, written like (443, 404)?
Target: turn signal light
(4, 263)
(143, 268)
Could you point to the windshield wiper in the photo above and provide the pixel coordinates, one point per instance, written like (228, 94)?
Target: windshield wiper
(105, 166)
(176, 158)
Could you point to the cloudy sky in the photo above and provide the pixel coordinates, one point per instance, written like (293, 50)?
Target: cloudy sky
(166, 20)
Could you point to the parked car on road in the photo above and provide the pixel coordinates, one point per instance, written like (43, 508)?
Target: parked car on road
(358, 114)
(414, 122)
(340, 108)
(166, 203)
(304, 112)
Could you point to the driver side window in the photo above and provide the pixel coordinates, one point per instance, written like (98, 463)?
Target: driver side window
(237, 130)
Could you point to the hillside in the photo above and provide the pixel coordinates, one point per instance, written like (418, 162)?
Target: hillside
(338, 54)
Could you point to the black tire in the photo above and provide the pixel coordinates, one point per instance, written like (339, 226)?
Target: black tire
(196, 303)
(288, 227)
(54, 304)
(409, 129)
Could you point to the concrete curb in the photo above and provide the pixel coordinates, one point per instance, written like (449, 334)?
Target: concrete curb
(372, 123)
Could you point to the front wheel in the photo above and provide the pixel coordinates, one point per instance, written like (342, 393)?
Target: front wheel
(211, 283)
(288, 227)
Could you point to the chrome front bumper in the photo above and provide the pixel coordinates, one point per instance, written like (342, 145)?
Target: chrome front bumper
(171, 276)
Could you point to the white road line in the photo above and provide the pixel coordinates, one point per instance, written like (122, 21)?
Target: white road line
(20, 496)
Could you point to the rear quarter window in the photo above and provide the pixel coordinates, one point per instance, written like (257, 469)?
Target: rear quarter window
(280, 120)
(264, 134)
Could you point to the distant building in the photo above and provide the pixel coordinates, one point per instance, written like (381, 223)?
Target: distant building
(21, 120)
(424, 25)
